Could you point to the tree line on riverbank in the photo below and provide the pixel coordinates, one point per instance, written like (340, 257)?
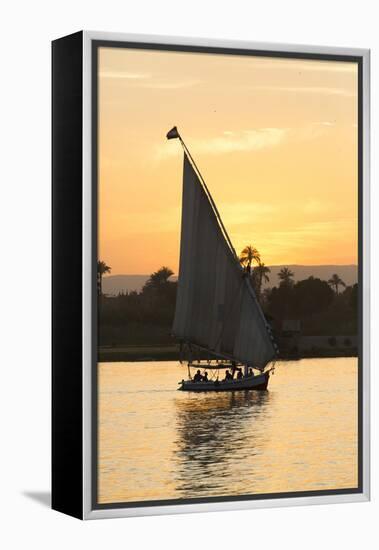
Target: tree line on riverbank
(145, 317)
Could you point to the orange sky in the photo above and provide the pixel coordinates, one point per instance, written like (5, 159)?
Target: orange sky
(275, 139)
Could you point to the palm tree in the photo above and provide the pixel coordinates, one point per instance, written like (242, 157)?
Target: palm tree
(161, 276)
(102, 268)
(335, 282)
(286, 276)
(248, 255)
(158, 278)
(261, 274)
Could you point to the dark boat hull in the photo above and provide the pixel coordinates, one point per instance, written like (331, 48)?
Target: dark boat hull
(258, 382)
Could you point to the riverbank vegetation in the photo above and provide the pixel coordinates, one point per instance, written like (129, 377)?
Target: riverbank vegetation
(141, 320)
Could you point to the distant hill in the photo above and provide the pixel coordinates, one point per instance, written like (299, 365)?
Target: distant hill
(114, 284)
(348, 273)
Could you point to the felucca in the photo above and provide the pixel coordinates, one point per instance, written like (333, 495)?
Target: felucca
(218, 319)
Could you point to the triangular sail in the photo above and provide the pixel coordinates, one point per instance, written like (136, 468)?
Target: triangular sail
(216, 308)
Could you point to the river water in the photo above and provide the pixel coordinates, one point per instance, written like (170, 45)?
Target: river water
(158, 443)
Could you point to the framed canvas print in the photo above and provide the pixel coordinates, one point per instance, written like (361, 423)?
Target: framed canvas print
(210, 275)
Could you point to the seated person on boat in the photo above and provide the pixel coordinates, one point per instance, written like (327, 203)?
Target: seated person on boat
(197, 377)
(228, 376)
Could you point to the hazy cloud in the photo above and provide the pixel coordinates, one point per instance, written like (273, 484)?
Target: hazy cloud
(306, 66)
(229, 142)
(314, 206)
(248, 140)
(147, 80)
(171, 85)
(323, 90)
(238, 213)
(124, 75)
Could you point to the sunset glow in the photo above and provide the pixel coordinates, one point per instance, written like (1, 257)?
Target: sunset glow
(275, 139)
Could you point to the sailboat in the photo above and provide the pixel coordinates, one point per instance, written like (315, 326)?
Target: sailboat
(218, 320)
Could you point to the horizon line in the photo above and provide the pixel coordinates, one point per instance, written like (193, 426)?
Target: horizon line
(267, 265)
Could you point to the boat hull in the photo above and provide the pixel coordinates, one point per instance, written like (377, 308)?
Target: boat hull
(258, 382)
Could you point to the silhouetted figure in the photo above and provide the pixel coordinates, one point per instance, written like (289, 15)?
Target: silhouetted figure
(205, 377)
(228, 376)
(251, 372)
(239, 374)
(197, 377)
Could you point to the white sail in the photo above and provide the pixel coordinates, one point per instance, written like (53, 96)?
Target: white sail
(216, 308)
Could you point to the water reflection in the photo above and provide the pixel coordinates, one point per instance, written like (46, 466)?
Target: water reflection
(158, 443)
(212, 433)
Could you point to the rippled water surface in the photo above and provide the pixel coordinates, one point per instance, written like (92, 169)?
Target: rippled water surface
(159, 443)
